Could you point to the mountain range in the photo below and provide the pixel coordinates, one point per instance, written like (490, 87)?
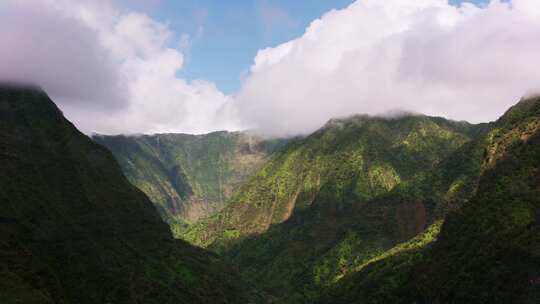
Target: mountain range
(404, 209)
(340, 197)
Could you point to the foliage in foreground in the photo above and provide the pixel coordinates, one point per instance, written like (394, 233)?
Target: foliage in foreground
(74, 230)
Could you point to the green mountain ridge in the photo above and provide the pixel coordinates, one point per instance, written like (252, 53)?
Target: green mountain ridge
(340, 197)
(74, 230)
(354, 209)
(189, 177)
(408, 209)
(488, 251)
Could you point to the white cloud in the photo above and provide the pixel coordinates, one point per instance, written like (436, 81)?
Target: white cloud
(375, 56)
(58, 53)
(113, 71)
(110, 71)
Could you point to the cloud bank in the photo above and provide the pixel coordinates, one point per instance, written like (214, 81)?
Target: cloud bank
(115, 71)
(466, 63)
(110, 71)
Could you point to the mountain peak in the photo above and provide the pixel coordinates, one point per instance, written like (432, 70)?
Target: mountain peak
(19, 86)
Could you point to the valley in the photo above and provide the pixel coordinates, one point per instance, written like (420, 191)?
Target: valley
(189, 177)
(409, 209)
(269, 152)
(359, 191)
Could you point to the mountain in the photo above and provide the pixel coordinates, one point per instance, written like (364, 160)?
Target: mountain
(487, 251)
(74, 230)
(189, 177)
(340, 197)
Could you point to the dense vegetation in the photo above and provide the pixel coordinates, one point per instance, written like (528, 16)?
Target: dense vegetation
(341, 197)
(188, 176)
(488, 250)
(344, 211)
(412, 209)
(74, 230)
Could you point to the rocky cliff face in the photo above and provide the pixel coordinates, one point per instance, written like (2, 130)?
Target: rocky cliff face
(74, 230)
(189, 177)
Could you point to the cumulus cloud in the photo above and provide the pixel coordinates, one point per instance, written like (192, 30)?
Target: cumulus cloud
(467, 63)
(116, 71)
(110, 71)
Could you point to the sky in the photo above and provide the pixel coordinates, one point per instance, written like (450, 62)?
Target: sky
(279, 67)
(224, 36)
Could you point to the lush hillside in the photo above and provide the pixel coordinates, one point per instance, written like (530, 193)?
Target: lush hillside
(74, 230)
(488, 251)
(188, 176)
(341, 197)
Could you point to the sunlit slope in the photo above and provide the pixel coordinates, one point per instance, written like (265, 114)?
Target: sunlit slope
(340, 197)
(488, 250)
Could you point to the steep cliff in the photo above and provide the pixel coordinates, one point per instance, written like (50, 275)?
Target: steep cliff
(189, 177)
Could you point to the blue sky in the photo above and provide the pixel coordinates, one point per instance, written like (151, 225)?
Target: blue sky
(226, 35)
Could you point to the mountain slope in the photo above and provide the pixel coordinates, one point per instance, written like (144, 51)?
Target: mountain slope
(188, 177)
(488, 251)
(338, 198)
(74, 230)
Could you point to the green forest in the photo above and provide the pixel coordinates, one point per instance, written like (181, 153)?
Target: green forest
(408, 209)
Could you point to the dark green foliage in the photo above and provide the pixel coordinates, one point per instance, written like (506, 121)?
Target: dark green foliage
(386, 278)
(74, 230)
(414, 209)
(488, 250)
